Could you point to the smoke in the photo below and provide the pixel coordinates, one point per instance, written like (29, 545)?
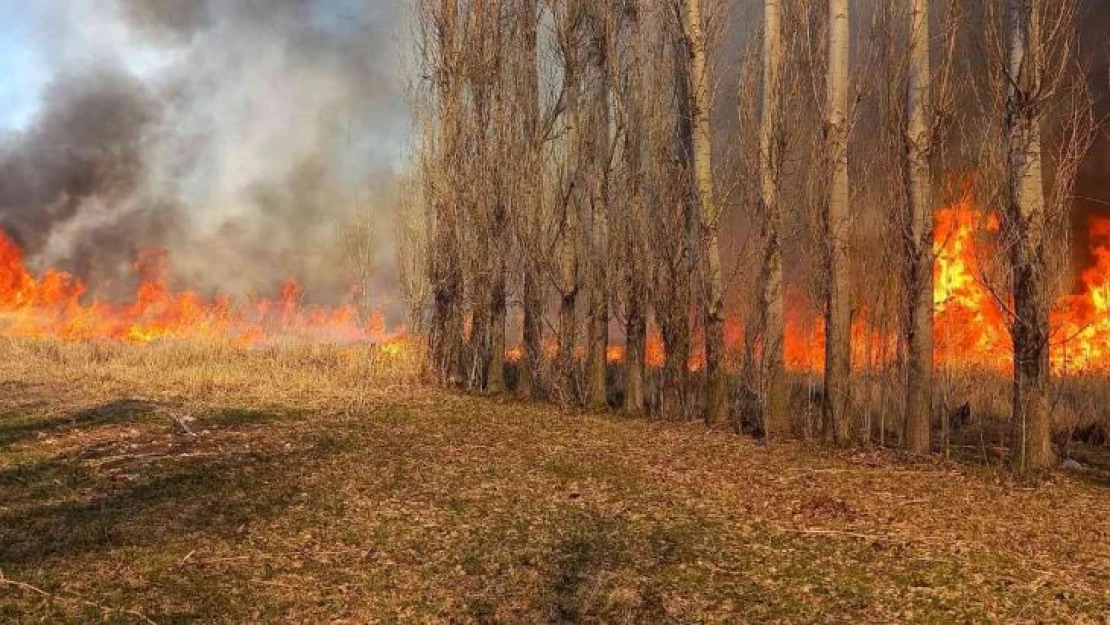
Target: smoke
(242, 135)
(1093, 184)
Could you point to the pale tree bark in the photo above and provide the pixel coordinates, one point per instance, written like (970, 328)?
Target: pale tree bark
(1025, 219)
(568, 304)
(716, 409)
(918, 235)
(485, 201)
(838, 312)
(776, 422)
(635, 343)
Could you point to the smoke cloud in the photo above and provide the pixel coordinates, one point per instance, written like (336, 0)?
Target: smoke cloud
(1093, 185)
(242, 135)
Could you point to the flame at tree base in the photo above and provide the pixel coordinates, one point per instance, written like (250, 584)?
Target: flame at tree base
(971, 326)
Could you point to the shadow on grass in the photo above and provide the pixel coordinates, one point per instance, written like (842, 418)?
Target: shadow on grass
(239, 417)
(157, 505)
(16, 425)
(67, 506)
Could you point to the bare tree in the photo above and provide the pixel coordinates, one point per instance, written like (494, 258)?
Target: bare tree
(1043, 81)
(570, 19)
(673, 214)
(636, 256)
(530, 197)
(772, 322)
(698, 107)
(597, 147)
(838, 311)
(917, 234)
(1025, 214)
(446, 333)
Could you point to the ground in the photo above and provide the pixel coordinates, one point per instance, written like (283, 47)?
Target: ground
(174, 484)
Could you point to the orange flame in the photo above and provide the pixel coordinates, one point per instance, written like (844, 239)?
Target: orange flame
(51, 306)
(1081, 322)
(971, 327)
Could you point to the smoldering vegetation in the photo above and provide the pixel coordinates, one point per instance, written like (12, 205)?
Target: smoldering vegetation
(249, 138)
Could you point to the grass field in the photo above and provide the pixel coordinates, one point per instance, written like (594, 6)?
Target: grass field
(182, 484)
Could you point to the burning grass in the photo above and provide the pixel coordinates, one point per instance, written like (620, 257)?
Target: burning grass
(217, 483)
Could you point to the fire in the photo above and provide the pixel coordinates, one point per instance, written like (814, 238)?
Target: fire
(1081, 322)
(971, 328)
(971, 324)
(52, 306)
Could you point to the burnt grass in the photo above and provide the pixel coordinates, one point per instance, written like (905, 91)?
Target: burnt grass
(130, 495)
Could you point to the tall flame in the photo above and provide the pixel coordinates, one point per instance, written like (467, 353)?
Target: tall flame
(1081, 322)
(971, 327)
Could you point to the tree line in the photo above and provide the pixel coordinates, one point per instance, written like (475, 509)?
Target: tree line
(580, 163)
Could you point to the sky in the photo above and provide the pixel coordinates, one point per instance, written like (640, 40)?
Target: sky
(22, 67)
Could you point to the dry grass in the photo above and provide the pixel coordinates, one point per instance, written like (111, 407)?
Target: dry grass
(200, 483)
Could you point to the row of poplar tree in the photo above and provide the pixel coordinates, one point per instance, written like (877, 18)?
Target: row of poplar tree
(566, 171)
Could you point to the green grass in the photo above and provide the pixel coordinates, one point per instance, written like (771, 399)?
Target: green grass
(406, 503)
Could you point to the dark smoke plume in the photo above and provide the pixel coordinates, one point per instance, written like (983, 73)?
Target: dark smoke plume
(242, 135)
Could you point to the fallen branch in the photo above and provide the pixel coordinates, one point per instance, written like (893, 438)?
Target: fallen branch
(182, 420)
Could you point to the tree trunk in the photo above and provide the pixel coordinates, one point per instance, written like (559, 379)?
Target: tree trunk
(477, 346)
(575, 195)
(716, 408)
(598, 312)
(1025, 222)
(634, 352)
(495, 359)
(446, 335)
(636, 245)
(838, 312)
(918, 237)
(675, 328)
(677, 271)
(568, 305)
(776, 422)
(528, 382)
(479, 228)
(531, 197)
(598, 146)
